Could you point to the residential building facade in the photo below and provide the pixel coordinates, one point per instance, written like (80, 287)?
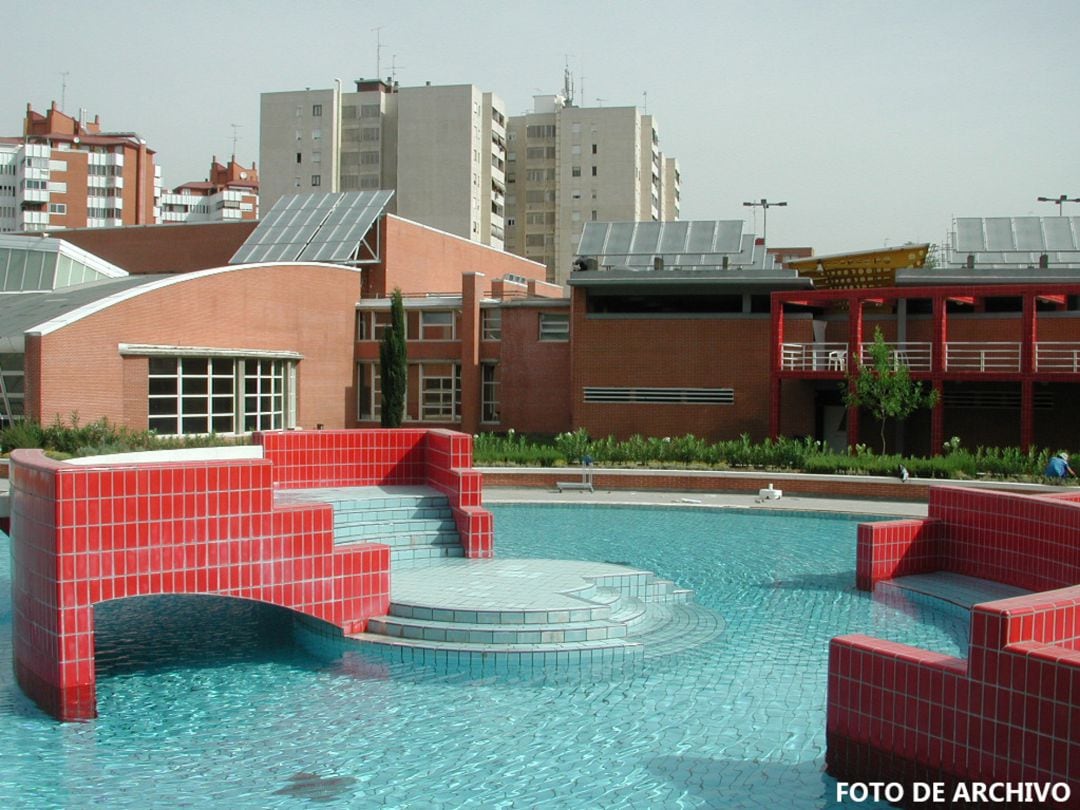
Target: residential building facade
(65, 172)
(568, 165)
(230, 193)
(441, 149)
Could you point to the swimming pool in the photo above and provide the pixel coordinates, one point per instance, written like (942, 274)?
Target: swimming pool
(207, 702)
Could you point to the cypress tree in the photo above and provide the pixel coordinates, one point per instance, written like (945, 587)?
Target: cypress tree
(394, 365)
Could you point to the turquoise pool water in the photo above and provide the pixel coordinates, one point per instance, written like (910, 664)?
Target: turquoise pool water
(208, 702)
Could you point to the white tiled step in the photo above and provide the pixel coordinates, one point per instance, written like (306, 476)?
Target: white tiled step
(615, 646)
(513, 634)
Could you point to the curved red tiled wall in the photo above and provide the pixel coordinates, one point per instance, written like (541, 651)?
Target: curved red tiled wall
(1010, 712)
(87, 534)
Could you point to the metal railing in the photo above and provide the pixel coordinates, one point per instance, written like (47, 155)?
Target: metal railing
(813, 356)
(1057, 355)
(973, 356)
(915, 356)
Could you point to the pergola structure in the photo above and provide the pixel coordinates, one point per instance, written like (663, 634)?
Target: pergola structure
(1024, 351)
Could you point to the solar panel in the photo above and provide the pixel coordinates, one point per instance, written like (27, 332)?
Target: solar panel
(679, 243)
(969, 235)
(314, 227)
(1029, 234)
(999, 233)
(1062, 233)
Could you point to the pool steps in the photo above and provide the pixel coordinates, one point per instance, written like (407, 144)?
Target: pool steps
(416, 522)
(613, 615)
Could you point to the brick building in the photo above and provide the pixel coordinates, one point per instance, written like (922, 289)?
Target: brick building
(65, 172)
(256, 345)
(230, 193)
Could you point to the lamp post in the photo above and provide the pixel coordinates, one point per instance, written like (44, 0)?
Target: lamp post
(764, 205)
(1059, 201)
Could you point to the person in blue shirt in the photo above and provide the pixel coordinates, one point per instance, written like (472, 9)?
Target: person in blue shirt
(1059, 467)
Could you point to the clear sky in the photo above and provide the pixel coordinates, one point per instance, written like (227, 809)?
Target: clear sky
(877, 122)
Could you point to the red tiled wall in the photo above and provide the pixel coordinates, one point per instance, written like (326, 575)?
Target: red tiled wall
(401, 457)
(1009, 712)
(83, 535)
(1022, 540)
(896, 548)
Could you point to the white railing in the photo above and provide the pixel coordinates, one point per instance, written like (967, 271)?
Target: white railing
(1057, 355)
(813, 356)
(972, 356)
(915, 356)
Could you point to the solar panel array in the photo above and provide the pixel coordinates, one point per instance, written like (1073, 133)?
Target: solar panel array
(679, 243)
(1016, 240)
(314, 228)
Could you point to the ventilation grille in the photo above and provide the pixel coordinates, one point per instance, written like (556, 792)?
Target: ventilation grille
(662, 396)
(999, 400)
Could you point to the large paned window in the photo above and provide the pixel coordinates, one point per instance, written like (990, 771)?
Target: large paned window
(440, 392)
(489, 392)
(191, 395)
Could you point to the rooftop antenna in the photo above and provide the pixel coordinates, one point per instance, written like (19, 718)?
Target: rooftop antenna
(645, 102)
(600, 101)
(63, 88)
(235, 138)
(378, 51)
(394, 68)
(568, 84)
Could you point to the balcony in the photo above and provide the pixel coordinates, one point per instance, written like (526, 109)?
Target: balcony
(1057, 356)
(998, 357)
(813, 356)
(990, 357)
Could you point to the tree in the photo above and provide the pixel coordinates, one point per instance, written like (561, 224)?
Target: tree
(394, 365)
(884, 386)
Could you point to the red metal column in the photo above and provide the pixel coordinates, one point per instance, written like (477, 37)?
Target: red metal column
(776, 313)
(937, 375)
(855, 325)
(1028, 343)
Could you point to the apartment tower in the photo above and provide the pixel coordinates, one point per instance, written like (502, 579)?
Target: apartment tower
(442, 149)
(567, 165)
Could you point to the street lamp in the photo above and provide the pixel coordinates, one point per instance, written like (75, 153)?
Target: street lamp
(764, 205)
(1059, 201)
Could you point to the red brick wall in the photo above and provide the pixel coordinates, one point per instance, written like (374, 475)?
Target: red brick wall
(719, 352)
(534, 375)
(177, 248)
(418, 259)
(250, 308)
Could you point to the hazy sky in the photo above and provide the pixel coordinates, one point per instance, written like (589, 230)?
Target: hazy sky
(877, 122)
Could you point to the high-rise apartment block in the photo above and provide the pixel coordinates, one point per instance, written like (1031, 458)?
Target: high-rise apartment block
(65, 172)
(441, 149)
(569, 165)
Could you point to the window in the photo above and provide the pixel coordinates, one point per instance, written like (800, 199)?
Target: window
(594, 171)
(372, 325)
(191, 395)
(369, 134)
(316, 134)
(440, 392)
(575, 171)
(316, 180)
(491, 324)
(369, 158)
(57, 208)
(540, 131)
(575, 149)
(489, 392)
(436, 325)
(264, 394)
(554, 326)
(368, 392)
(594, 148)
(316, 110)
(369, 110)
